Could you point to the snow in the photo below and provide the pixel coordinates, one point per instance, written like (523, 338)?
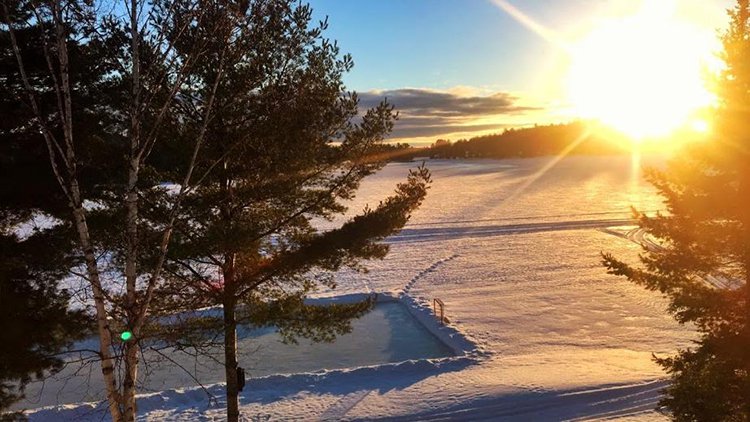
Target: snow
(543, 332)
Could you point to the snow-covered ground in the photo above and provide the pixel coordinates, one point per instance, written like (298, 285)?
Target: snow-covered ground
(515, 257)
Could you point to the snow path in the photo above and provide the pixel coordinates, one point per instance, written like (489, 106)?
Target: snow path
(557, 337)
(440, 234)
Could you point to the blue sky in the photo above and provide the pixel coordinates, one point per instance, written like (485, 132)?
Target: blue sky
(430, 43)
(475, 49)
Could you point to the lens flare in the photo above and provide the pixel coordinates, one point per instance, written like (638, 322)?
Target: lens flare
(642, 75)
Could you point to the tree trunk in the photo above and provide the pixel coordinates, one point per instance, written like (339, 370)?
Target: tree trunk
(131, 223)
(79, 216)
(128, 385)
(105, 338)
(230, 359)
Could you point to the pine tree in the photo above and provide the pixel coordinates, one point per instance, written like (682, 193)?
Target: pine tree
(37, 322)
(705, 234)
(291, 147)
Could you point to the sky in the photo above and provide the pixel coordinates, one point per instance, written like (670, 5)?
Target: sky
(460, 68)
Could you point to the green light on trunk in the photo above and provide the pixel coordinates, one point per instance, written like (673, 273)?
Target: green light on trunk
(126, 335)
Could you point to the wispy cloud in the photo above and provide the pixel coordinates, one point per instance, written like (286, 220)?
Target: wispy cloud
(430, 113)
(421, 102)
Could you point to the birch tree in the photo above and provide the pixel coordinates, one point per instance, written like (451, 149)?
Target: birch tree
(104, 173)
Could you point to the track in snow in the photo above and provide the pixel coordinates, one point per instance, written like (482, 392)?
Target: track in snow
(426, 271)
(640, 236)
(619, 401)
(446, 233)
(339, 409)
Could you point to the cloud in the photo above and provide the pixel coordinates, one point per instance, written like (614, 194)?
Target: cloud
(427, 102)
(427, 112)
(406, 132)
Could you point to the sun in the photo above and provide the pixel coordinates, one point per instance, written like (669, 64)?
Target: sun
(643, 74)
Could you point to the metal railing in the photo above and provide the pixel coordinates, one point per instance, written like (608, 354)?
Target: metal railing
(435, 303)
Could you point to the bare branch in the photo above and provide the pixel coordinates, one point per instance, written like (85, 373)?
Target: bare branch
(211, 397)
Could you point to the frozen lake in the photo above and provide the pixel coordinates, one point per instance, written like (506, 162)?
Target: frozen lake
(513, 249)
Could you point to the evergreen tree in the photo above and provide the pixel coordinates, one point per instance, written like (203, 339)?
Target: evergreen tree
(705, 233)
(37, 324)
(35, 313)
(291, 147)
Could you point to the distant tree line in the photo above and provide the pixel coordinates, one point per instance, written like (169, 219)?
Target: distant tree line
(396, 152)
(579, 137)
(535, 141)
